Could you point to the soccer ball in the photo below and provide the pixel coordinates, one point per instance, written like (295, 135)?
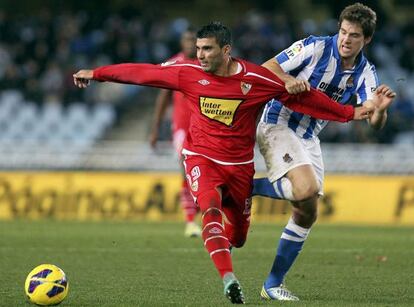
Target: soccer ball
(46, 284)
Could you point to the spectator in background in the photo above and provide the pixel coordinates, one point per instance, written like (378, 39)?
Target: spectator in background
(180, 124)
(73, 37)
(289, 141)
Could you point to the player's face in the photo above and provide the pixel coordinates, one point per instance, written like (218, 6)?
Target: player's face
(188, 40)
(351, 40)
(209, 54)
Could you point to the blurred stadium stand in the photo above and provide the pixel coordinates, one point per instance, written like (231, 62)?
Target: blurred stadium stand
(47, 123)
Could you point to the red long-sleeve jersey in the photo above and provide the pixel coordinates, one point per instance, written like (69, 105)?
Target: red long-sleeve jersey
(223, 110)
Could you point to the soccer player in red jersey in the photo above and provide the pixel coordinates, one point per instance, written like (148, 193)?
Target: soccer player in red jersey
(225, 96)
(180, 124)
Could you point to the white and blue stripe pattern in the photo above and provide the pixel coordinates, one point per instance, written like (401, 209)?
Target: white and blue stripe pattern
(294, 232)
(317, 60)
(290, 244)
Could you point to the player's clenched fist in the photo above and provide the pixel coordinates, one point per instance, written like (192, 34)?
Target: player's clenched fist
(295, 86)
(363, 112)
(82, 78)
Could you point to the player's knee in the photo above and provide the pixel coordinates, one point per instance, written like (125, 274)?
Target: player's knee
(237, 242)
(306, 190)
(212, 213)
(311, 217)
(236, 235)
(209, 200)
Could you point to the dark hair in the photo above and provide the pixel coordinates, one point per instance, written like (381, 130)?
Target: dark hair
(361, 14)
(218, 30)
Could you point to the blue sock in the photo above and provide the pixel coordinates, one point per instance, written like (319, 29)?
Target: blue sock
(290, 245)
(263, 187)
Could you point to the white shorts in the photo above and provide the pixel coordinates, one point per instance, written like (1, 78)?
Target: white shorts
(283, 150)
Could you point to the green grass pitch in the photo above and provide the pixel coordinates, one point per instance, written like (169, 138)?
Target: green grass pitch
(152, 264)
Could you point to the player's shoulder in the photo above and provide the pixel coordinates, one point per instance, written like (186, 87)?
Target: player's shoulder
(251, 67)
(177, 57)
(365, 66)
(369, 70)
(370, 66)
(319, 45)
(316, 38)
(256, 71)
(312, 39)
(185, 64)
(311, 44)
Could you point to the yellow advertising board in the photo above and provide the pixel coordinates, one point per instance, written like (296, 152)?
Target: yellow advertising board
(89, 196)
(155, 196)
(356, 199)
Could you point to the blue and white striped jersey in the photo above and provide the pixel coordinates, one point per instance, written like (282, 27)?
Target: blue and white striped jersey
(317, 60)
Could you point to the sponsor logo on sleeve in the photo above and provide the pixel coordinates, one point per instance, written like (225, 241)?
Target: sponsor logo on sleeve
(295, 49)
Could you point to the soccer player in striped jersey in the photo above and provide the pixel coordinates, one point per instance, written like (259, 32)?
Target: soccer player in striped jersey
(288, 140)
(224, 98)
(180, 124)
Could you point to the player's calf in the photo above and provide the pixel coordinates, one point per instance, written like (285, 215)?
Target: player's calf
(305, 212)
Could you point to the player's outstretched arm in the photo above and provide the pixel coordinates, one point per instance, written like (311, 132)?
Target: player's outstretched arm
(82, 78)
(132, 73)
(318, 105)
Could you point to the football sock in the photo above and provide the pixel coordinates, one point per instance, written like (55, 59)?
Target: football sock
(187, 203)
(213, 234)
(280, 189)
(283, 186)
(290, 245)
(263, 187)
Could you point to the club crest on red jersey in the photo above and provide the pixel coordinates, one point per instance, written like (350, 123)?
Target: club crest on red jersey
(245, 87)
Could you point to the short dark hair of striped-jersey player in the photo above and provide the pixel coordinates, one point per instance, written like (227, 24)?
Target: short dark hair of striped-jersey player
(362, 15)
(218, 30)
